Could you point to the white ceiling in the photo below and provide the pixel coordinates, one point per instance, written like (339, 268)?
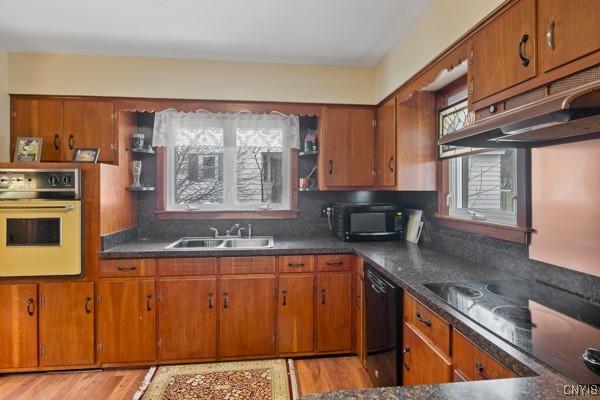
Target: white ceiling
(331, 32)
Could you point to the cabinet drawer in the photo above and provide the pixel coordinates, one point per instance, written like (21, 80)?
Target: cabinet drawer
(423, 364)
(247, 265)
(289, 264)
(187, 266)
(427, 322)
(473, 363)
(126, 267)
(335, 262)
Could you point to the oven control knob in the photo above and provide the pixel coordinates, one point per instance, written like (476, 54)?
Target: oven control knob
(53, 180)
(67, 180)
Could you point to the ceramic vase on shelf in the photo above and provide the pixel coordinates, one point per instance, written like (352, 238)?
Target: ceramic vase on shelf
(136, 172)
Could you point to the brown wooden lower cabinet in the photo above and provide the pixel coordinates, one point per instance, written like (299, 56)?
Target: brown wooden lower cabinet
(247, 316)
(127, 321)
(473, 364)
(296, 313)
(66, 324)
(422, 362)
(187, 311)
(334, 312)
(19, 326)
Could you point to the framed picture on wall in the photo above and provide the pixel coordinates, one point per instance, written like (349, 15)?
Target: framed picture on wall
(28, 149)
(86, 155)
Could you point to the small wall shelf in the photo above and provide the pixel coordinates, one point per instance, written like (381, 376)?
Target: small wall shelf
(310, 189)
(145, 151)
(308, 153)
(141, 188)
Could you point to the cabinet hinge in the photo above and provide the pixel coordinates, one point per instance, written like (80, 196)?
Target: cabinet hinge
(99, 347)
(314, 335)
(42, 350)
(42, 300)
(274, 337)
(374, 123)
(99, 298)
(275, 292)
(159, 342)
(159, 295)
(113, 115)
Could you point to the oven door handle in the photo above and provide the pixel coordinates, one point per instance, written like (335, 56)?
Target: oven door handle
(67, 207)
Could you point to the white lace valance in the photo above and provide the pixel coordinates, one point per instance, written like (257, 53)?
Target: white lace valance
(174, 128)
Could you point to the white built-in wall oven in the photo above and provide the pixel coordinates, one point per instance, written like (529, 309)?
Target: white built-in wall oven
(40, 222)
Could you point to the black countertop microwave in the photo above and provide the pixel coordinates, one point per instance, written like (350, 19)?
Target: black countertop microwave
(353, 222)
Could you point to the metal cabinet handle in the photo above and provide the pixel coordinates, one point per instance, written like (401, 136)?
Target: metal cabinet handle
(284, 297)
(322, 296)
(423, 321)
(404, 351)
(88, 305)
(126, 269)
(330, 167)
(390, 164)
(30, 307)
(334, 263)
(296, 265)
(550, 35)
(210, 296)
(149, 302)
(225, 297)
(71, 138)
(479, 367)
(56, 144)
(524, 60)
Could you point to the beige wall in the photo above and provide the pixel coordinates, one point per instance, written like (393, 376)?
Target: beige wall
(194, 79)
(441, 24)
(4, 108)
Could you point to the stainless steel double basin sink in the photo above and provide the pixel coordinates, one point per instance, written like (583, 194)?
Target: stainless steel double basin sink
(221, 243)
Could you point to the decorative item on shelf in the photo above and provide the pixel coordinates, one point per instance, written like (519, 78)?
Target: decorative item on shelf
(86, 155)
(28, 149)
(310, 141)
(136, 172)
(137, 141)
(308, 182)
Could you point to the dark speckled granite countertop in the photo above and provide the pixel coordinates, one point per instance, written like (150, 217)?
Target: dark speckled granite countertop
(410, 267)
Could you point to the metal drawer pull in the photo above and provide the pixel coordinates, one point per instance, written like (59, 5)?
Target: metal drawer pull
(67, 207)
(524, 60)
(404, 351)
(126, 269)
(284, 296)
(56, 137)
(210, 296)
(550, 35)
(390, 166)
(322, 296)
(480, 368)
(225, 297)
(335, 264)
(423, 321)
(149, 302)
(88, 305)
(30, 307)
(296, 264)
(71, 145)
(330, 167)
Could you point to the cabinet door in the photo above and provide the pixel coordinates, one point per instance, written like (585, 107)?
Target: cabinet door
(247, 316)
(295, 315)
(88, 124)
(503, 53)
(473, 364)
(66, 324)
(416, 127)
(334, 311)
(423, 364)
(38, 118)
(567, 31)
(348, 146)
(188, 318)
(19, 327)
(385, 144)
(127, 321)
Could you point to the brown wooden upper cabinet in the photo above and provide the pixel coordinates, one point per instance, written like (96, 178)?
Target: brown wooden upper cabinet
(66, 324)
(347, 146)
(567, 30)
(503, 53)
(385, 144)
(127, 321)
(19, 327)
(65, 125)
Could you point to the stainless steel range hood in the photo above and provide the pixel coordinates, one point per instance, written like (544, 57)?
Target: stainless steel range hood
(567, 116)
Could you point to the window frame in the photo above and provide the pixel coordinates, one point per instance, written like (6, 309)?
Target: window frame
(519, 233)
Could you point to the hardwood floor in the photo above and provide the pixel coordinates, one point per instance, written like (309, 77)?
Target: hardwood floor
(320, 375)
(316, 375)
(101, 385)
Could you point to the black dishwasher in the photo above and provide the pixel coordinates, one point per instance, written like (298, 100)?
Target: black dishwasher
(383, 325)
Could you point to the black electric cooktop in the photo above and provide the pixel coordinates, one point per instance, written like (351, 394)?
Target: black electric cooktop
(557, 328)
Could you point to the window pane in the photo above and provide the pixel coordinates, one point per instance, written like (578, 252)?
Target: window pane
(259, 166)
(483, 186)
(199, 169)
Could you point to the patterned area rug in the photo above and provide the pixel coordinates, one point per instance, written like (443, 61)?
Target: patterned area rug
(256, 380)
